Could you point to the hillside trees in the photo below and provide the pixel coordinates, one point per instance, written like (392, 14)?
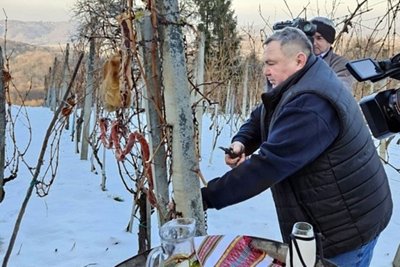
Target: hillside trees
(27, 64)
(219, 23)
(98, 18)
(222, 42)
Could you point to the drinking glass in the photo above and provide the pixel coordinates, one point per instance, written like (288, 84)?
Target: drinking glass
(177, 245)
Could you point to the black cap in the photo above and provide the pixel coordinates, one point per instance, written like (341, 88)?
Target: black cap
(325, 28)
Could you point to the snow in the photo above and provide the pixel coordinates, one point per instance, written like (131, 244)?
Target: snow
(78, 224)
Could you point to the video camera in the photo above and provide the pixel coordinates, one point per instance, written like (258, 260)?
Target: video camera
(307, 27)
(381, 109)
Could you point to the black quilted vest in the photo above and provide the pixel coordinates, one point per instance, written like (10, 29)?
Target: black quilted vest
(344, 193)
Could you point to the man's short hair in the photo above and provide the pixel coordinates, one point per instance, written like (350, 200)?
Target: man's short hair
(292, 41)
(325, 27)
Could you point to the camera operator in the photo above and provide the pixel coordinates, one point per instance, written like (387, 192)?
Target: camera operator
(323, 40)
(314, 151)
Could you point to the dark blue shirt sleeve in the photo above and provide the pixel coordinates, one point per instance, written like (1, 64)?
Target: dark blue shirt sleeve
(304, 128)
(250, 134)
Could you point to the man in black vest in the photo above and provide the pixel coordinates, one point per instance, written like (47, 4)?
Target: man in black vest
(315, 152)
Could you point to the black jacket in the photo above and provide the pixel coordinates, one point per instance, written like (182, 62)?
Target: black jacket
(342, 191)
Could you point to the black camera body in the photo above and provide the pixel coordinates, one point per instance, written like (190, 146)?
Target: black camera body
(307, 27)
(382, 109)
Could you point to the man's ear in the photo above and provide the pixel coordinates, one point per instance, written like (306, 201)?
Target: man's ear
(301, 59)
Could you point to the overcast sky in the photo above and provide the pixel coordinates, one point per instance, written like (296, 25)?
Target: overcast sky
(248, 11)
(36, 10)
(56, 10)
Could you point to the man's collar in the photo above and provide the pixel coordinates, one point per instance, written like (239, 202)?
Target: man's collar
(322, 55)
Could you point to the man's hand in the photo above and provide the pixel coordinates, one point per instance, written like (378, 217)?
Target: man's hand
(237, 156)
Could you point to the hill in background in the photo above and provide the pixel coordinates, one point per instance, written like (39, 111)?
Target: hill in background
(29, 51)
(43, 33)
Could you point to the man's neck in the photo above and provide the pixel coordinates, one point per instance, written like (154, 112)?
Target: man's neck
(323, 54)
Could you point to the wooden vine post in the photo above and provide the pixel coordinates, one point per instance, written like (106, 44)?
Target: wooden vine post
(64, 79)
(87, 111)
(52, 98)
(144, 199)
(185, 181)
(245, 91)
(2, 125)
(154, 113)
(199, 92)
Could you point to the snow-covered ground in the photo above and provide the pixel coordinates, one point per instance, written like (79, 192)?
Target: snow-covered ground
(78, 224)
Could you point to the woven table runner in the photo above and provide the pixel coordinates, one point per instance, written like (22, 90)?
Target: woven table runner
(230, 251)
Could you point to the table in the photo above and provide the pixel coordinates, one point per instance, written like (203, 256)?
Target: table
(227, 250)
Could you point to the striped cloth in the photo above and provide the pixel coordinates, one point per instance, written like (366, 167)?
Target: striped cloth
(230, 251)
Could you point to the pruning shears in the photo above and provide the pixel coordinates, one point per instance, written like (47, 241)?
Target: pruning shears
(229, 151)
